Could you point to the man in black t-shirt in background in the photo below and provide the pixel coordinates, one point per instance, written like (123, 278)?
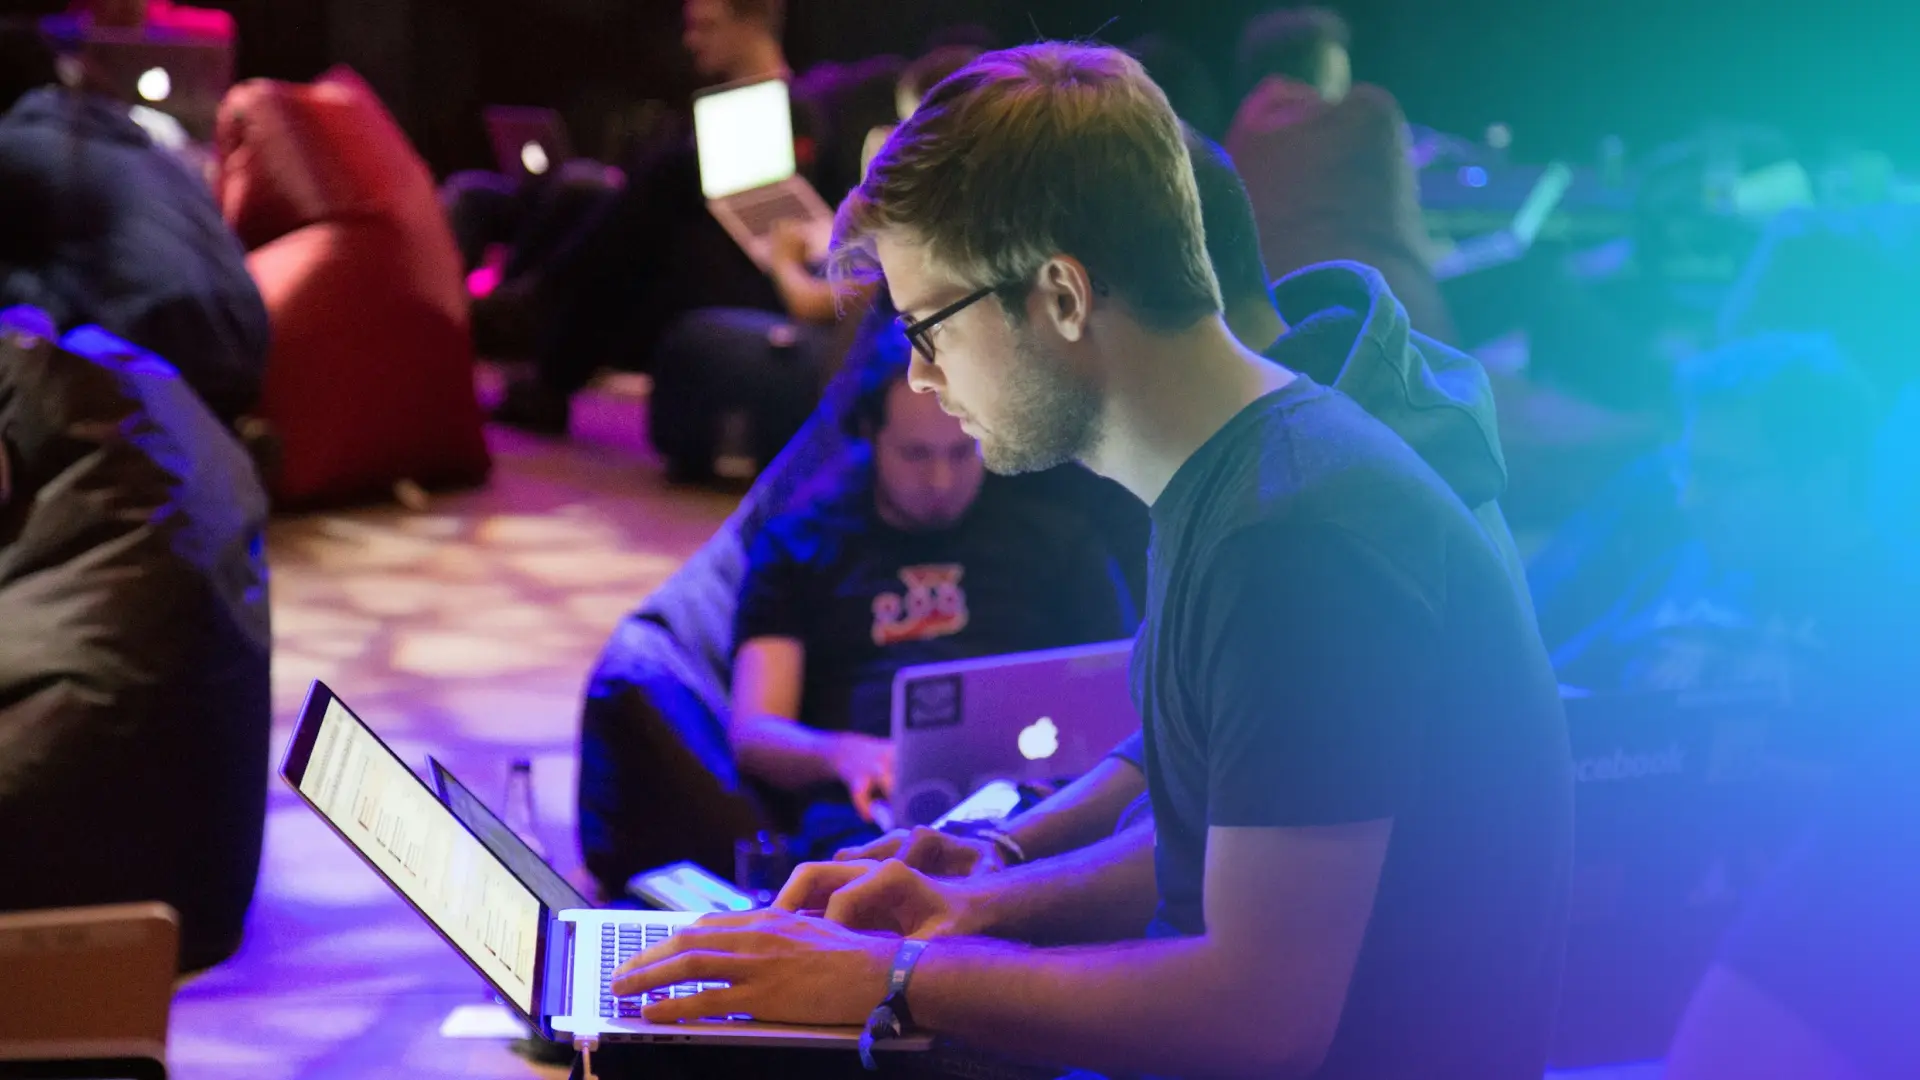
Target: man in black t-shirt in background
(913, 556)
(1355, 750)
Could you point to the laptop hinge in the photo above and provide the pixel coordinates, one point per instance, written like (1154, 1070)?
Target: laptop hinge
(556, 981)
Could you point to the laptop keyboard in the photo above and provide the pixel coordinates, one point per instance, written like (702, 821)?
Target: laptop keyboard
(760, 215)
(620, 943)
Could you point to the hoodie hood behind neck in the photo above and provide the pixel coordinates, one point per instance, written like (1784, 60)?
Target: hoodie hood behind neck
(1435, 397)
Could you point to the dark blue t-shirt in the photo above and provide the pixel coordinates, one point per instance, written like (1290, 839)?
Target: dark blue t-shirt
(1331, 639)
(865, 599)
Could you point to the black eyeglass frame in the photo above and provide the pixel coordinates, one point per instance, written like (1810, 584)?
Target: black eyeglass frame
(916, 330)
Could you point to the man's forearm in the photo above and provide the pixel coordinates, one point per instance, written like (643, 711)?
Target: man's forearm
(1082, 813)
(1154, 1008)
(782, 752)
(1104, 892)
(807, 298)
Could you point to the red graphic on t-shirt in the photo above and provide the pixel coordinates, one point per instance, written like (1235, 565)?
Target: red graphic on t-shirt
(934, 606)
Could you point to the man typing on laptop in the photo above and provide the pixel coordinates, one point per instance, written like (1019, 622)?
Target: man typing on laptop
(1356, 756)
(911, 556)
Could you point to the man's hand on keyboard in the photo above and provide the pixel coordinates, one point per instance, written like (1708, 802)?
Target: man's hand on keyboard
(889, 897)
(932, 852)
(779, 966)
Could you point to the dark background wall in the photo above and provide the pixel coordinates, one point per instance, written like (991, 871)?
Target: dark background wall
(1562, 73)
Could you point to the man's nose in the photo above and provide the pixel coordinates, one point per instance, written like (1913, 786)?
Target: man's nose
(923, 376)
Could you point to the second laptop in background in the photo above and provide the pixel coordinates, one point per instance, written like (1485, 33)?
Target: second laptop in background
(1027, 717)
(743, 135)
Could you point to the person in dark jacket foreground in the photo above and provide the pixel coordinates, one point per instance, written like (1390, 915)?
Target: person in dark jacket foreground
(104, 227)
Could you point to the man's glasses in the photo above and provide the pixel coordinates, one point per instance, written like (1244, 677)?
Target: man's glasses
(917, 331)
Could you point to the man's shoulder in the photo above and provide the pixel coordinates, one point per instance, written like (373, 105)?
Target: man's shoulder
(805, 531)
(1315, 470)
(1317, 447)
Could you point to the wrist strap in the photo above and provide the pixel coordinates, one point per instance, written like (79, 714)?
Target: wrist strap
(891, 1019)
(1009, 847)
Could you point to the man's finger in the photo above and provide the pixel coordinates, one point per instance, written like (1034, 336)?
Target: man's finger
(732, 920)
(732, 934)
(812, 883)
(706, 1005)
(674, 945)
(882, 848)
(873, 901)
(696, 966)
(925, 849)
(863, 798)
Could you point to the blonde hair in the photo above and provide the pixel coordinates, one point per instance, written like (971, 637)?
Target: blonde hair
(1033, 152)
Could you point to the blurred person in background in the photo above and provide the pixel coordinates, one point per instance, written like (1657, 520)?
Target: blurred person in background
(1326, 161)
(156, 20)
(913, 556)
(650, 251)
(920, 76)
(1190, 86)
(1778, 581)
(104, 227)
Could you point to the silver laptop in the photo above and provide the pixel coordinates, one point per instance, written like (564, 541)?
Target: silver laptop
(527, 141)
(1507, 245)
(185, 79)
(743, 136)
(552, 967)
(1026, 717)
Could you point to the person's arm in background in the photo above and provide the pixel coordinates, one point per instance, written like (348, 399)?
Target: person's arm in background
(768, 674)
(808, 297)
(771, 626)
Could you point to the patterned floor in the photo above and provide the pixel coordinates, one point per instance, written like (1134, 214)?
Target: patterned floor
(463, 628)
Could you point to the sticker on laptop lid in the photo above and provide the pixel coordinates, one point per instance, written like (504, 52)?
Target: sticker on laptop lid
(933, 702)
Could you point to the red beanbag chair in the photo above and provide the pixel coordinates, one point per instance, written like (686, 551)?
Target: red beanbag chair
(370, 380)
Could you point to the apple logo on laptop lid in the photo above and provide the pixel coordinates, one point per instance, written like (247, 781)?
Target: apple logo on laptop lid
(1040, 740)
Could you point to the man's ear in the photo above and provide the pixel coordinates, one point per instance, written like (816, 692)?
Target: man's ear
(1065, 296)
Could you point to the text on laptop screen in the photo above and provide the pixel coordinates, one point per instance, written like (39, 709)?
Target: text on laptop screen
(389, 815)
(744, 138)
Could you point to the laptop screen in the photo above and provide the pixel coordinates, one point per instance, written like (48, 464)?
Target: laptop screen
(183, 79)
(390, 817)
(526, 864)
(744, 138)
